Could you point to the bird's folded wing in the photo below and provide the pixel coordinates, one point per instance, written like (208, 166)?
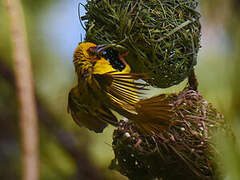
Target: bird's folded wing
(92, 117)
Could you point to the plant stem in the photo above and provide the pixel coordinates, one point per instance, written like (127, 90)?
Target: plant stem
(25, 90)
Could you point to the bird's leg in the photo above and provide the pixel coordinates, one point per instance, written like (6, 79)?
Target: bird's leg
(139, 142)
(121, 58)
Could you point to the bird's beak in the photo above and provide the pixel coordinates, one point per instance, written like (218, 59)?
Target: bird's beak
(101, 47)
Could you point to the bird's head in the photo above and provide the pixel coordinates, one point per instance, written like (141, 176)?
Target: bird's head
(86, 56)
(89, 52)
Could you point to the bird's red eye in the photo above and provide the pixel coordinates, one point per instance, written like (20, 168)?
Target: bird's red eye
(92, 51)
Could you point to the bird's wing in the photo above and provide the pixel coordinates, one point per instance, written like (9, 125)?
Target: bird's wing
(92, 117)
(123, 89)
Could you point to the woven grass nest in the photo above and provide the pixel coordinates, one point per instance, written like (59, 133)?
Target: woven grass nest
(183, 152)
(161, 36)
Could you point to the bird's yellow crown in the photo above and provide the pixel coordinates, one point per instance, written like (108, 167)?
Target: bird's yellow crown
(82, 52)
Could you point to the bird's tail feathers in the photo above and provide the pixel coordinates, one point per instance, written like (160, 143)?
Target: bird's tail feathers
(154, 114)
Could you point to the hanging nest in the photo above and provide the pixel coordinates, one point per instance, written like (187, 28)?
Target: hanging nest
(161, 36)
(184, 151)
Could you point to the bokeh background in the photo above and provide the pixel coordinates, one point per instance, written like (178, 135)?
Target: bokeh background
(68, 152)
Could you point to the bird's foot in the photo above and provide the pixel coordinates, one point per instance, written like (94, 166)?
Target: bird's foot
(139, 142)
(121, 57)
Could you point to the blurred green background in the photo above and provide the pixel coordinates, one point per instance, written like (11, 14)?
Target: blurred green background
(68, 152)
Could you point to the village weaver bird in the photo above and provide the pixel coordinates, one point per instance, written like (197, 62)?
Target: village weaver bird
(102, 88)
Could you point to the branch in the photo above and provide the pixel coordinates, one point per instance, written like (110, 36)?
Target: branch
(192, 80)
(25, 90)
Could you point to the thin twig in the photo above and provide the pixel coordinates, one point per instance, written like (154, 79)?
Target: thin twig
(25, 90)
(192, 80)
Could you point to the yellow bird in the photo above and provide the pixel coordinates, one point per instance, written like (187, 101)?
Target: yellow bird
(102, 88)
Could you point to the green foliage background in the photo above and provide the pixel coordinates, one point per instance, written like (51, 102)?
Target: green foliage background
(217, 70)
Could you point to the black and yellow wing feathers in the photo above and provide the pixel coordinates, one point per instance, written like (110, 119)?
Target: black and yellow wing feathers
(122, 89)
(94, 117)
